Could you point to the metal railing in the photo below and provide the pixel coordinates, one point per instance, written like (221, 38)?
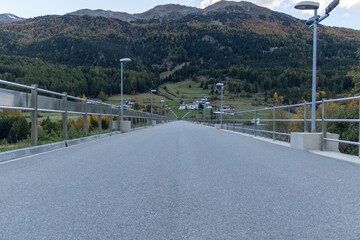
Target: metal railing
(37, 100)
(279, 122)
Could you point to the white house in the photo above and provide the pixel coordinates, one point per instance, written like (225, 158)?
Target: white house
(228, 109)
(192, 106)
(182, 106)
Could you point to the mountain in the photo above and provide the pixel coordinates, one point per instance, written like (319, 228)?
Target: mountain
(162, 12)
(9, 18)
(103, 13)
(254, 50)
(172, 12)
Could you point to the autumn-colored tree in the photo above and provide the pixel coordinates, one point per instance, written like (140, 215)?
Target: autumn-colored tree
(11, 113)
(79, 123)
(278, 99)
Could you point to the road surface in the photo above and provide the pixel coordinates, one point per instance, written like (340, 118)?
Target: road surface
(179, 181)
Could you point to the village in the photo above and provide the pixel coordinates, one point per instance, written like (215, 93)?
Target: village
(203, 102)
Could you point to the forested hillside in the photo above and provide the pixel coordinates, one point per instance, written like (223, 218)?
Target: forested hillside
(256, 51)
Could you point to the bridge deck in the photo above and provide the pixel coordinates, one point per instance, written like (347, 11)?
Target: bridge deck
(179, 181)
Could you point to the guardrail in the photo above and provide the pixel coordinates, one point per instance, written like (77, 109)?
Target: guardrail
(279, 122)
(41, 100)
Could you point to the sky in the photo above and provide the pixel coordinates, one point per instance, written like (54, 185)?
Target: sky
(347, 14)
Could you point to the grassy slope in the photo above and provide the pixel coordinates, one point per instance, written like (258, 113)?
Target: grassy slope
(177, 92)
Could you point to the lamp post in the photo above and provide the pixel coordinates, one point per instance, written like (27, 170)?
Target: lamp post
(122, 60)
(151, 92)
(204, 109)
(222, 97)
(166, 115)
(313, 22)
(161, 102)
(197, 113)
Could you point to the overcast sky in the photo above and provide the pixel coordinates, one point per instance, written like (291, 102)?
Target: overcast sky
(346, 15)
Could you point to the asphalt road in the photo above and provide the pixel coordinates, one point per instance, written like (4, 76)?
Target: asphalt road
(179, 181)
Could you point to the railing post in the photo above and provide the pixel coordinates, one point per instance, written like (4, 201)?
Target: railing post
(99, 118)
(85, 119)
(359, 128)
(274, 124)
(289, 124)
(118, 119)
(255, 123)
(242, 120)
(110, 118)
(323, 116)
(234, 122)
(306, 128)
(34, 115)
(65, 117)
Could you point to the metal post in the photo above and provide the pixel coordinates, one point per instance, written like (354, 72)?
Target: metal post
(99, 118)
(110, 119)
(359, 128)
(306, 129)
(243, 129)
(65, 117)
(324, 125)
(161, 118)
(197, 114)
(289, 124)
(221, 113)
(118, 119)
(313, 105)
(274, 124)
(151, 106)
(234, 122)
(85, 128)
(122, 92)
(204, 109)
(255, 123)
(34, 115)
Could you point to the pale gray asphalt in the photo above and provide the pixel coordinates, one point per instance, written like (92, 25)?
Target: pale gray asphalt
(179, 181)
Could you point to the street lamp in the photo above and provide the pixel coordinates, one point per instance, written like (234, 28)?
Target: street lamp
(222, 96)
(151, 92)
(122, 60)
(197, 113)
(166, 115)
(313, 22)
(161, 102)
(204, 109)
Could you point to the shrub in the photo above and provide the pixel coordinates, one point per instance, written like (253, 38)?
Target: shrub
(79, 124)
(49, 126)
(5, 126)
(19, 130)
(104, 122)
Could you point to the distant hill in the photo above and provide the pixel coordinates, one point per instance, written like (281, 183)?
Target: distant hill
(170, 12)
(254, 50)
(9, 18)
(162, 12)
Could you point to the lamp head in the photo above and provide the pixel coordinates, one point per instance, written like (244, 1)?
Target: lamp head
(307, 5)
(219, 84)
(332, 6)
(153, 90)
(125, 60)
(312, 20)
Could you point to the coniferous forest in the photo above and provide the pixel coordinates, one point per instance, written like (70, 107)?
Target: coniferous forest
(254, 55)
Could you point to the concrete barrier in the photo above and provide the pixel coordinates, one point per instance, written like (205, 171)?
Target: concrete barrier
(313, 141)
(306, 141)
(125, 126)
(6, 156)
(332, 146)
